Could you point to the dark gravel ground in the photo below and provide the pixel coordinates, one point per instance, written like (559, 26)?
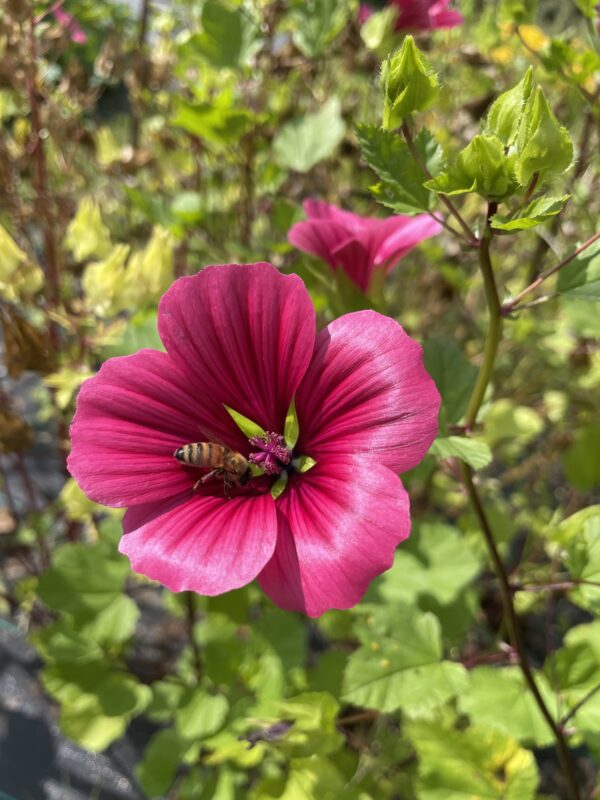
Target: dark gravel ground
(36, 762)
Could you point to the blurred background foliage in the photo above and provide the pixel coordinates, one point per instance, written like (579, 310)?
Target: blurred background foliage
(139, 144)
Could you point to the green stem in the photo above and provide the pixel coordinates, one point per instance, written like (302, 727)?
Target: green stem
(495, 327)
(469, 234)
(190, 605)
(483, 379)
(515, 636)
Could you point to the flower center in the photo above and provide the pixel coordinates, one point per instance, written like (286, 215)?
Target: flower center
(274, 454)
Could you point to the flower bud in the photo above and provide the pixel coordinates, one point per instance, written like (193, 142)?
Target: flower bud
(409, 84)
(543, 145)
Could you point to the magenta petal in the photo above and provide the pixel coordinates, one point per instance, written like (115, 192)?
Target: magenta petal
(245, 335)
(130, 418)
(407, 233)
(443, 17)
(339, 526)
(319, 238)
(205, 544)
(367, 392)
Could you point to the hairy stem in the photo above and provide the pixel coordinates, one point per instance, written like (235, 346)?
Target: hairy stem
(494, 332)
(406, 132)
(485, 373)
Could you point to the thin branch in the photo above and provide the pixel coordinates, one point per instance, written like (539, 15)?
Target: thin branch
(539, 301)
(513, 302)
(579, 704)
(471, 238)
(190, 602)
(514, 631)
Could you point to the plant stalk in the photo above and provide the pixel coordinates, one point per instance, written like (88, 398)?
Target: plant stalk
(514, 632)
(485, 373)
(494, 332)
(471, 238)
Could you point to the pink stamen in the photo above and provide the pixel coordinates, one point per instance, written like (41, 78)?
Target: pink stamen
(274, 455)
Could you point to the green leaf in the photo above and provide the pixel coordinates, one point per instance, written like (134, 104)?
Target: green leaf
(587, 8)
(403, 670)
(387, 154)
(473, 452)
(292, 427)
(378, 31)
(97, 700)
(583, 561)
(481, 167)
(581, 278)
(230, 38)
(140, 331)
(573, 671)
(434, 562)
(303, 142)
(201, 715)
(476, 762)
(216, 122)
(188, 207)
(83, 579)
(498, 699)
(309, 778)
(114, 624)
(506, 112)
(61, 644)
(162, 758)
(409, 84)
(544, 146)
(316, 23)
(505, 420)
(87, 235)
(314, 731)
(535, 213)
(247, 427)
(454, 376)
(582, 459)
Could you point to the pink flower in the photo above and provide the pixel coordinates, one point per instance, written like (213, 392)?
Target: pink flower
(420, 15)
(358, 245)
(244, 336)
(69, 23)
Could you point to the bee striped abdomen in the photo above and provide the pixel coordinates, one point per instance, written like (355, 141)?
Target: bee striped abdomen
(223, 462)
(201, 454)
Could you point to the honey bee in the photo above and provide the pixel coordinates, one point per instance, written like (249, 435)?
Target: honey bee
(231, 467)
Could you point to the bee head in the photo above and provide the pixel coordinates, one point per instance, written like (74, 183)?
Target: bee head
(179, 454)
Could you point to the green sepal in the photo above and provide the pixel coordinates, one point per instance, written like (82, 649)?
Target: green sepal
(543, 144)
(409, 84)
(292, 427)
(506, 112)
(481, 167)
(279, 486)
(247, 427)
(303, 463)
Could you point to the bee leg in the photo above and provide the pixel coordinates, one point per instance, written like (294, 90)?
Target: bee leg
(215, 473)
